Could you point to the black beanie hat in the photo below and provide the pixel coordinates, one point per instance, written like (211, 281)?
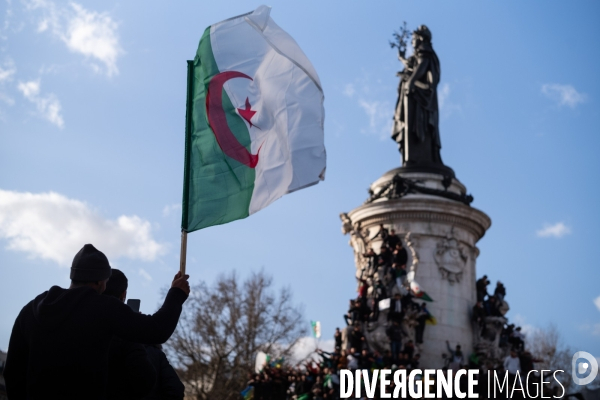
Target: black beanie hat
(90, 265)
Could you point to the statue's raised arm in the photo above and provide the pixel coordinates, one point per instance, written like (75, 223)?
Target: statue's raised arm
(403, 60)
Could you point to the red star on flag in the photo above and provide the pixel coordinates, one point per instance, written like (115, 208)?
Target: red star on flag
(247, 113)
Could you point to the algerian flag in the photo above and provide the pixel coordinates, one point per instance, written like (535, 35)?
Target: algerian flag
(254, 121)
(316, 328)
(418, 292)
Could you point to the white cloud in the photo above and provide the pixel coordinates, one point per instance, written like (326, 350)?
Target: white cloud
(48, 105)
(527, 329)
(446, 106)
(30, 89)
(370, 96)
(142, 272)
(43, 25)
(94, 35)
(597, 302)
(557, 230)
(443, 94)
(7, 21)
(86, 32)
(6, 99)
(306, 347)
(349, 90)
(593, 329)
(7, 70)
(380, 117)
(171, 208)
(53, 227)
(564, 95)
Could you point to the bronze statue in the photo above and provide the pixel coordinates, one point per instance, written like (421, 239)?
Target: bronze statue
(416, 120)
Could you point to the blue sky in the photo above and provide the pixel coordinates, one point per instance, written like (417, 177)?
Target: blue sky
(92, 106)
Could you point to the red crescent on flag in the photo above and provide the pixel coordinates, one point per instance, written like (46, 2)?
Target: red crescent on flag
(218, 121)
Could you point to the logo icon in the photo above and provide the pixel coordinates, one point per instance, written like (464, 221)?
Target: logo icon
(580, 368)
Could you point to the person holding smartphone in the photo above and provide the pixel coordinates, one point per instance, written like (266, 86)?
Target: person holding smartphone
(137, 371)
(131, 375)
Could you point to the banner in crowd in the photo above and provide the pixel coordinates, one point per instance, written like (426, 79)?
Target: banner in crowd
(384, 304)
(261, 360)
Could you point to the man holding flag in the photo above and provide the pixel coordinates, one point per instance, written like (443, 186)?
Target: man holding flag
(60, 341)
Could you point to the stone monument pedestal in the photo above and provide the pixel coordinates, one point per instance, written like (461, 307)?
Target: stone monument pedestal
(431, 215)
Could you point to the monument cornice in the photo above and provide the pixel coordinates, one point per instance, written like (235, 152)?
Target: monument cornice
(422, 209)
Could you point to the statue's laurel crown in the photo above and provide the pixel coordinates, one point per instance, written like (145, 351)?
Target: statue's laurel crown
(423, 32)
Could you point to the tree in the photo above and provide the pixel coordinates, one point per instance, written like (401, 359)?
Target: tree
(547, 346)
(224, 326)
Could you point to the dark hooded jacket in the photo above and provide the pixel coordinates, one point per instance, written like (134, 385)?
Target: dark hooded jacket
(167, 385)
(131, 374)
(59, 346)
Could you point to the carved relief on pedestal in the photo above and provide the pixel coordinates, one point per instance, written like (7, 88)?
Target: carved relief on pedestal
(359, 241)
(411, 242)
(451, 257)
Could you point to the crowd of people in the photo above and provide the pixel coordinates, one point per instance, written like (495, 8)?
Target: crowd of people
(495, 305)
(383, 277)
(382, 284)
(320, 380)
(511, 340)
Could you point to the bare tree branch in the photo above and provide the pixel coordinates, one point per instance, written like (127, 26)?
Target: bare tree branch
(224, 326)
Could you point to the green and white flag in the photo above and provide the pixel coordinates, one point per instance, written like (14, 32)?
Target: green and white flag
(254, 121)
(316, 329)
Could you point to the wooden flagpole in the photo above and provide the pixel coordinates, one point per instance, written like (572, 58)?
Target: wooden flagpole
(183, 255)
(186, 173)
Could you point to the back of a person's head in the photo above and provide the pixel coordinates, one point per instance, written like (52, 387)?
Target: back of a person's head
(90, 265)
(117, 284)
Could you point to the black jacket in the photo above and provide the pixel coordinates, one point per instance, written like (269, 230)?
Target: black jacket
(401, 257)
(355, 338)
(131, 375)
(394, 332)
(59, 346)
(392, 241)
(167, 385)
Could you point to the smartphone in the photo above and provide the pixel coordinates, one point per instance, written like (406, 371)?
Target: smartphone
(134, 304)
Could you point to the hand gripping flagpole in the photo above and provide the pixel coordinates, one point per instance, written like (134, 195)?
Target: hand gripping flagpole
(186, 168)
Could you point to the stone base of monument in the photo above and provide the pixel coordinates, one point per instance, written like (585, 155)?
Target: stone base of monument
(487, 341)
(431, 214)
